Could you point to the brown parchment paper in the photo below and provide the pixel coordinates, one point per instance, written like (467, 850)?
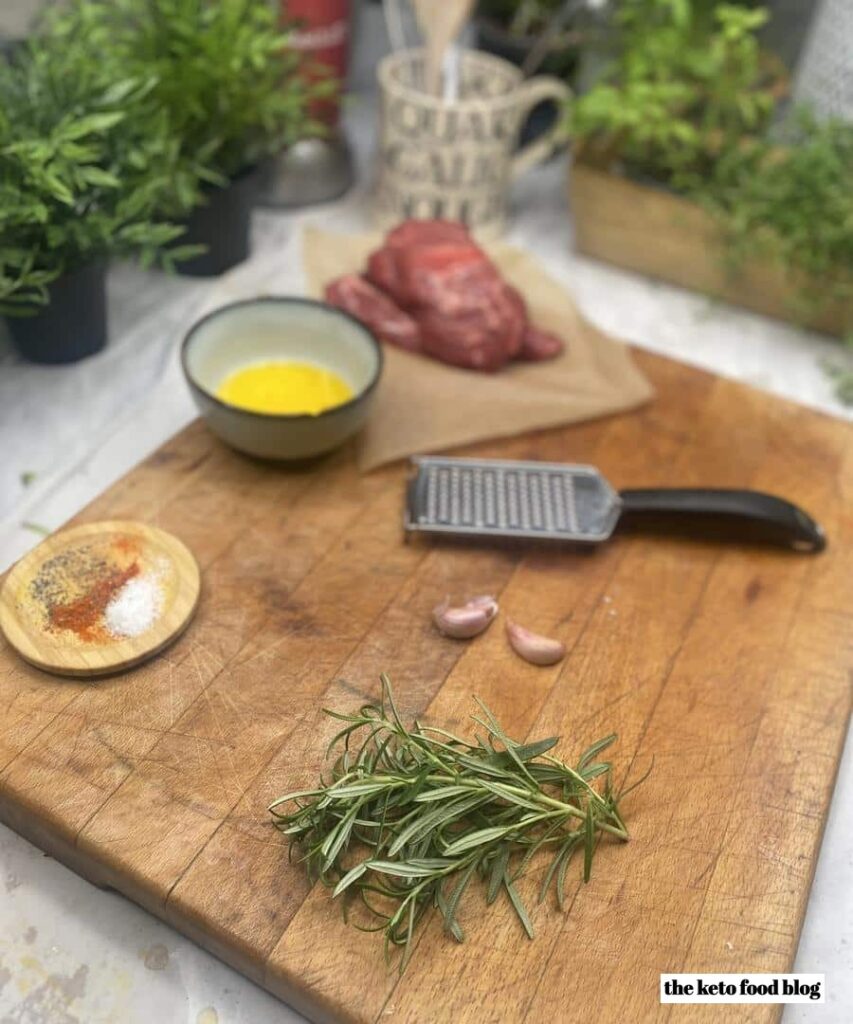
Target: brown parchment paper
(424, 406)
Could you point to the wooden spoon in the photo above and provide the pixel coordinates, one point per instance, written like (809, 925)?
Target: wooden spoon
(440, 22)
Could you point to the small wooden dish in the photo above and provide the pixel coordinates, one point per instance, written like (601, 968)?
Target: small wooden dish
(60, 603)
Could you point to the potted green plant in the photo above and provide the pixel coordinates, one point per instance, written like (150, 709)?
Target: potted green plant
(85, 166)
(512, 29)
(676, 174)
(515, 30)
(232, 92)
(789, 208)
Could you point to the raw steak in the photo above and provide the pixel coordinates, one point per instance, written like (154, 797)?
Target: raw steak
(447, 277)
(431, 288)
(383, 266)
(455, 291)
(375, 310)
(383, 271)
(461, 340)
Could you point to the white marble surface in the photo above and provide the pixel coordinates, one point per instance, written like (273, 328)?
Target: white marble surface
(69, 952)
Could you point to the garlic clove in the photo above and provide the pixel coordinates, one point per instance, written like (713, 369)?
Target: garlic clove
(465, 621)
(484, 601)
(537, 649)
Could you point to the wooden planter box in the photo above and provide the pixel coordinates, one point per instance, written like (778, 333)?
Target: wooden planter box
(658, 233)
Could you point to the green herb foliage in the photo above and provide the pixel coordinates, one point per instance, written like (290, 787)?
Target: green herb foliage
(223, 73)
(791, 206)
(687, 102)
(86, 163)
(411, 816)
(685, 84)
(116, 116)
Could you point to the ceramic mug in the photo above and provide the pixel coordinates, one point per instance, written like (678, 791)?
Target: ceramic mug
(457, 159)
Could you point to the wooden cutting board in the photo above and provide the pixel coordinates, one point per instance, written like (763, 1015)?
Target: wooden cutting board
(731, 667)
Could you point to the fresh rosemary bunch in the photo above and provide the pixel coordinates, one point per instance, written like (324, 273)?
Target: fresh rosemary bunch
(411, 816)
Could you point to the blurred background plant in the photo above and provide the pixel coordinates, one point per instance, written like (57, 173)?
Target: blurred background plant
(521, 17)
(684, 82)
(513, 29)
(118, 118)
(690, 101)
(222, 74)
(541, 37)
(87, 163)
(792, 204)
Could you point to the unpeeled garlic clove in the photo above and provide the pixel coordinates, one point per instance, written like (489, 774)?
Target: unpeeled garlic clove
(467, 620)
(537, 649)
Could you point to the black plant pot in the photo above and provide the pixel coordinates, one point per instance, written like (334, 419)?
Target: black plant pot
(222, 225)
(74, 323)
(561, 61)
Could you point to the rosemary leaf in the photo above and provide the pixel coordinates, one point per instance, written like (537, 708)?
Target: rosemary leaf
(499, 866)
(588, 843)
(478, 838)
(591, 753)
(561, 872)
(450, 923)
(515, 899)
(456, 896)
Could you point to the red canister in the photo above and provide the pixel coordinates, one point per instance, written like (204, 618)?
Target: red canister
(321, 30)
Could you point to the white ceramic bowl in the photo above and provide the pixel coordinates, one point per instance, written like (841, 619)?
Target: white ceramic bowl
(281, 328)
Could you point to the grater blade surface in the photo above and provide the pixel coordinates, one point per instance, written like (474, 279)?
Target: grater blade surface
(505, 498)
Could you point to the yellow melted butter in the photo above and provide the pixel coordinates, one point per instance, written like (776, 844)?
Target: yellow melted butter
(288, 389)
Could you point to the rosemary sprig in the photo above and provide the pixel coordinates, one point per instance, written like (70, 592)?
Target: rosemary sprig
(411, 816)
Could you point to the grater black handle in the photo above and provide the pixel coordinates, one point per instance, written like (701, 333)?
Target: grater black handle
(747, 515)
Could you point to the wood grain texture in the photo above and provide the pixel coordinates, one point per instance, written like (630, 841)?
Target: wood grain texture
(729, 667)
(27, 627)
(655, 232)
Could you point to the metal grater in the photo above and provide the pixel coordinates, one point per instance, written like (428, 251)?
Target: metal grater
(498, 498)
(552, 501)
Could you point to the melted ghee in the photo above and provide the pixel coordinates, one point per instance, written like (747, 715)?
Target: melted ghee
(289, 389)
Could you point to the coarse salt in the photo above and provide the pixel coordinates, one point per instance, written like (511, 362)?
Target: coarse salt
(135, 608)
